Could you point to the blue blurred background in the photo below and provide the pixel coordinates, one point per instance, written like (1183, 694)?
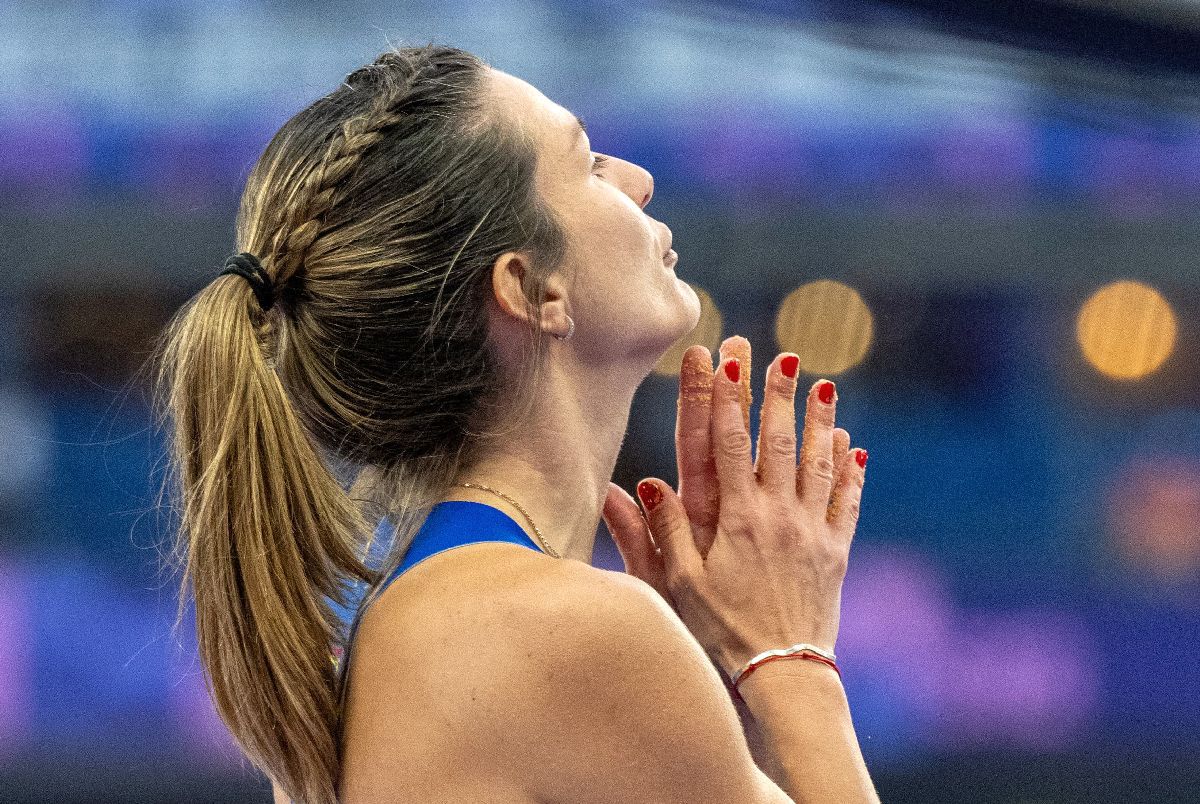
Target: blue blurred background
(991, 204)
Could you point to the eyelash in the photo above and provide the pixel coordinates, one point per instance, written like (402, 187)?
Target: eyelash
(598, 161)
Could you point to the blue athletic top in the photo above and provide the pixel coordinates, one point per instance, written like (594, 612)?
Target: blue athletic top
(455, 523)
(450, 524)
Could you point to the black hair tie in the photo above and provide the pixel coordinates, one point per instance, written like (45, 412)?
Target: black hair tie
(247, 265)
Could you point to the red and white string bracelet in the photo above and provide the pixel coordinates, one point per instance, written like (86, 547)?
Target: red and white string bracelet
(802, 650)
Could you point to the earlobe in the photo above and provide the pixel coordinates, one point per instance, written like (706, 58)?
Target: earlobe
(507, 274)
(554, 310)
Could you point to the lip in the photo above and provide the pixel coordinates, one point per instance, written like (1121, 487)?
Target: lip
(671, 258)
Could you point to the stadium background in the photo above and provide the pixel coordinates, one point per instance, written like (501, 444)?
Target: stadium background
(995, 200)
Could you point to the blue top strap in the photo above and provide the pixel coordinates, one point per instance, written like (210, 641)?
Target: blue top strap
(454, 523)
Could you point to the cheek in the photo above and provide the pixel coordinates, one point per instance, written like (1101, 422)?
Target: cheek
(614, 230)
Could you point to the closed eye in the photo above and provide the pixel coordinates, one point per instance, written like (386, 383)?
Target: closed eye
(598, 161)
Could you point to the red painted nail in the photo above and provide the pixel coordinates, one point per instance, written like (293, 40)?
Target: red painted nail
(789, 365)
(825, 392)
(861, 457)
(649, 495)
(732, 369)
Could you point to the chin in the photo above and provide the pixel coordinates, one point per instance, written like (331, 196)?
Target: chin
(693, 306)
(688, 319)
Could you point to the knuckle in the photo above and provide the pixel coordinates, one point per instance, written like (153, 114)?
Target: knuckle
(745, 525)
(793, 530)
(835, 555)
(819, 466)
(781, 443)
(851, 509)
(735, 443)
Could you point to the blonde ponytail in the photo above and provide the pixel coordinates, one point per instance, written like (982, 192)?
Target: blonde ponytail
(270, 536)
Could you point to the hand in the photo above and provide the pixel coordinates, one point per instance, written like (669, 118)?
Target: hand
(697, 468)
(820, 480)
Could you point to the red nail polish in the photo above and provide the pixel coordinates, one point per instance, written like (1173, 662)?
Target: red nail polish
(732, 370)
(861, 457)
(649, 494)
(789, 365)
(825, 392)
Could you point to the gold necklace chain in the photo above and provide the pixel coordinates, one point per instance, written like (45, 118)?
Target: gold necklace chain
(547, 547)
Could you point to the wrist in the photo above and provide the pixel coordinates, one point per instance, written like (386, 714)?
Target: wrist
(803, 650)
(788, 673)
(735, 662)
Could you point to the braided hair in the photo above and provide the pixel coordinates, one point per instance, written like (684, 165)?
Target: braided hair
(388, 83)
(378, 213)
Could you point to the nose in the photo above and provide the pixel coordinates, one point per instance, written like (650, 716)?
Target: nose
(649, 188)
(635, 181)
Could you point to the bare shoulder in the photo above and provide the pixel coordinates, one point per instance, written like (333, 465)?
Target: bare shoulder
(612, 678)
(564, 682)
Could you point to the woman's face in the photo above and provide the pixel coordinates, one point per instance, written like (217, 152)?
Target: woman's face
(626, 300)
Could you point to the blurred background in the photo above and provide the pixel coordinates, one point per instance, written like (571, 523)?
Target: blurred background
(979, 218)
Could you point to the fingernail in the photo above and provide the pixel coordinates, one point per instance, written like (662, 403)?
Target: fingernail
(825, 392)
(861, 457)
(649, 494)
(732, 369)
(789, 365)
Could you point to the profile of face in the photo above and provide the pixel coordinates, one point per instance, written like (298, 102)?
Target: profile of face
(626, 301)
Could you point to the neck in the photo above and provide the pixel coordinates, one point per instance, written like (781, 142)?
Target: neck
(557, 464)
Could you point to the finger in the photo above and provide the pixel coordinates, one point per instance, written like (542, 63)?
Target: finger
(730, 439)
(739, 347)
(693, 438)
(669, 527)
(631, 534)
(775, 455)
(814, 475)
(846, 503)
(629, 531)
(841, 445)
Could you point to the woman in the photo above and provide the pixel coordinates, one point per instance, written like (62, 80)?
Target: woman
(407, 243)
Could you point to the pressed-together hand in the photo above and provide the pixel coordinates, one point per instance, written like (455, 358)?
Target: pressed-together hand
(750, 555)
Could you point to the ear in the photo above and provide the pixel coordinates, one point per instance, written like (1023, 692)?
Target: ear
(507, 275)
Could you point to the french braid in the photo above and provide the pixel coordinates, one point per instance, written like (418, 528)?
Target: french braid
(321, 188)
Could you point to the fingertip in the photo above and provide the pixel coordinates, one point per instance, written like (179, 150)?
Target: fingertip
(841, 442)
(697, 358)
(789, 365)
(650, 493)
(734, 340)
(618, 507)
(613, 487)
(824, 390)
(732, 369)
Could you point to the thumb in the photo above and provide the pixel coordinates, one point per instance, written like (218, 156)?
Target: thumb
(629, 532)
(670, 526)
